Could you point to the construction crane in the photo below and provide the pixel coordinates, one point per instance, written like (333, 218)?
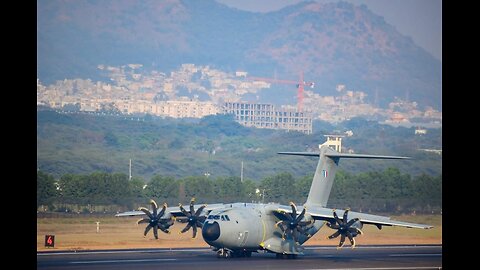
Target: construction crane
(300, 84)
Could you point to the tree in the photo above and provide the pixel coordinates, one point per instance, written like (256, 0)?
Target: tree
(138, 192)
(46, 190)
(229, 189)
(303, 187)
(198, 186)
(279, 188)
(162, 188)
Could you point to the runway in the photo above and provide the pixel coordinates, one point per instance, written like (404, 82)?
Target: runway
(316, 257)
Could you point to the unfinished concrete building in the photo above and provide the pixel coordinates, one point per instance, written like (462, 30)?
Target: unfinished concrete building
(267, 116)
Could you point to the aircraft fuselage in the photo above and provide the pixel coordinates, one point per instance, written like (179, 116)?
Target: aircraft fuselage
(250, 227)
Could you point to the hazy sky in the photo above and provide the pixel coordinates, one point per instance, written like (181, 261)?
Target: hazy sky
(419, 19)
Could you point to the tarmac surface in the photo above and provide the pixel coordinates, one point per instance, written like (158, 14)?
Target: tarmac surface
(315, 257)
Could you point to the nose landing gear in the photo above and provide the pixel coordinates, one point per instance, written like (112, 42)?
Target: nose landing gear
(227, 253)
(224, 253)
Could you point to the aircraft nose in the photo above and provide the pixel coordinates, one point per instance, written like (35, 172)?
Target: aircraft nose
(211, 231)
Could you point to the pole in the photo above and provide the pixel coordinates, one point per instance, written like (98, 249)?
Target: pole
(241, 174)
(130, 170)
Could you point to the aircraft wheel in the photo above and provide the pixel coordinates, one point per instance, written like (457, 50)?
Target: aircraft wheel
(223, 253)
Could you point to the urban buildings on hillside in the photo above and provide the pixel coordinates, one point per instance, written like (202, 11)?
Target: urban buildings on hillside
(268, 116)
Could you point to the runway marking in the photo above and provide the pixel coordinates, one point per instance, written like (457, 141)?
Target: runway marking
(124, 261)
(379, 268)
(122, 251)
(208, 249)
(415, 255)
(376, 247)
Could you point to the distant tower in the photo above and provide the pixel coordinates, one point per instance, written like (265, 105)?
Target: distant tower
(130, 170)
(334, 141)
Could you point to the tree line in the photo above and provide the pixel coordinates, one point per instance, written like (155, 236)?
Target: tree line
(378, 191)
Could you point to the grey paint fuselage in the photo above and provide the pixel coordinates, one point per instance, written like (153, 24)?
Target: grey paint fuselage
(251, 227)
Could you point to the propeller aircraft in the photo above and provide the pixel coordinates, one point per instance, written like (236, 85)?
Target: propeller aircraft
(238, 229)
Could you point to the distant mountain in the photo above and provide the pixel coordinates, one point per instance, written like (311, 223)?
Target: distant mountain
(332, 43)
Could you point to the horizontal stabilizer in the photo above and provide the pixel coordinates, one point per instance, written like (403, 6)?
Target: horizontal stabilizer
(334, 154)
(341, 155)
(308, 154)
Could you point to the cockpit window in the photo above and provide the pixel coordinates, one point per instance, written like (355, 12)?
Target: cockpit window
(221, 217)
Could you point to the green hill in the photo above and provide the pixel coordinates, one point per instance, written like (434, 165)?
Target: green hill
(84, 143)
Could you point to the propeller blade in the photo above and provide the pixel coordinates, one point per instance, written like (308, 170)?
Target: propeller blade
(352, 240)
(147, 229)
(145, 210)
(350, 223)
(295, 235)
(192, 201)
(201, 219)
(278, 223)
(300, 230)
(333, 226)
(334, 235)
(305, 223)
(186, 228)
(182, 219)
(199, 210)
(345, 214)
(199, 224)
(288, 216)
(160, 226)
(339, 222)
(194, 231)
(155, 232)
(302, 214)
(342, 241)
(143, 220)
(154, 207)
(283, 224)
(187, 214)
(163, 210)
(294, 210)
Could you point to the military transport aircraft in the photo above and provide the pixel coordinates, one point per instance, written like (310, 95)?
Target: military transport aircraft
(238, 229)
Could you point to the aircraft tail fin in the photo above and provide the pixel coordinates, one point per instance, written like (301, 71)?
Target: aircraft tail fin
(326, 170)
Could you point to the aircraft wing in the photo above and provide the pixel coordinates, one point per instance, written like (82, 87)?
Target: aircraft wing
(326, 214)
(174, 211)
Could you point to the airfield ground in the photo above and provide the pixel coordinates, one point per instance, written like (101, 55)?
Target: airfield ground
(79, 233)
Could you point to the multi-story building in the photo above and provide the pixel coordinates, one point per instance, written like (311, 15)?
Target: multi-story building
(267, 116)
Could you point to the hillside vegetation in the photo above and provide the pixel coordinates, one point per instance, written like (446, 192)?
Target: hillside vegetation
(215, 146)
(83, 164)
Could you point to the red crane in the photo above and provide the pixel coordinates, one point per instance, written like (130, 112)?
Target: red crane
(300, 84)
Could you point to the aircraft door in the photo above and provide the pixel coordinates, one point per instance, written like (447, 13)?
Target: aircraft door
(243, 238)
